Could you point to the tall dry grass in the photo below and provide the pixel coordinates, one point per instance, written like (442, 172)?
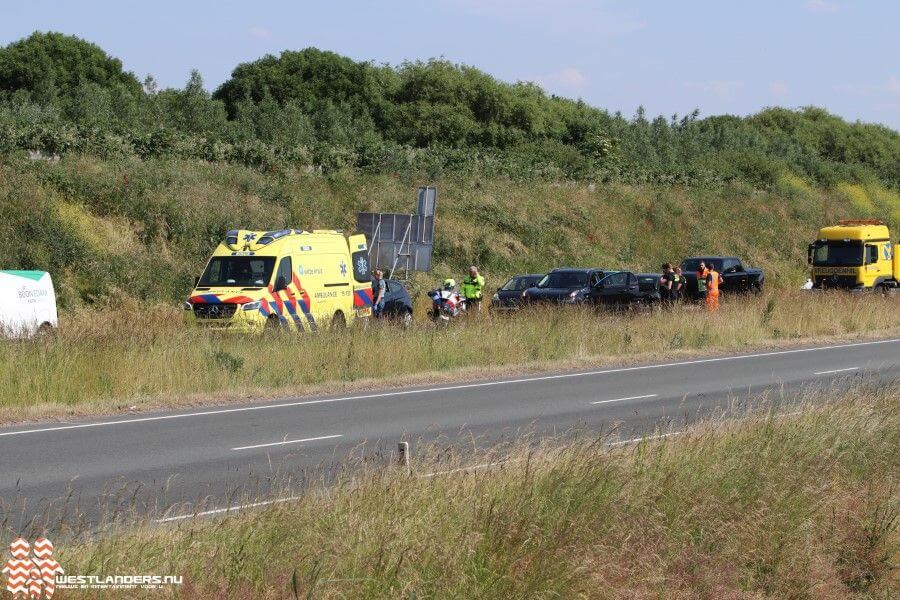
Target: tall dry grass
(136, 357)
(803, 505)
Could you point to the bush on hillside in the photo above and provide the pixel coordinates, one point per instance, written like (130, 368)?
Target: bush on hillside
(319, 110)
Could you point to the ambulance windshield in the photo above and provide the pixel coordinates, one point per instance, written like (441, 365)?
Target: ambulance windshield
(238, 271)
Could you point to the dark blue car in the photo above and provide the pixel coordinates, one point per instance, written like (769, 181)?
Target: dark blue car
(397, 304)
(509, 296)
(563, 286)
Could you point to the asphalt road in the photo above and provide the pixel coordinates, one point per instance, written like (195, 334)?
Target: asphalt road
(173, 464)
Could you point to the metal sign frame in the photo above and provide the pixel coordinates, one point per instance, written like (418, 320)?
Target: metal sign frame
(401, 241)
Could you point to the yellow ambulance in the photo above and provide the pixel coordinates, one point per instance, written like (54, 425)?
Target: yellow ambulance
(290, 279)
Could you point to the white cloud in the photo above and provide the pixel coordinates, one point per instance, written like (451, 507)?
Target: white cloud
(571, 77)
(260, 32)
(716, 87)
(894, 84)
(559, 17)
(822, 6)
(854, 89)
(778, 89)
(566, 78)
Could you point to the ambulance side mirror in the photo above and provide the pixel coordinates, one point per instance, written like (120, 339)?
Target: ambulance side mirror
(280, 283)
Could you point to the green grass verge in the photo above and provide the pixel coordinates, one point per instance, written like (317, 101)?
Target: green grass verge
(142, 357)
(803, 505)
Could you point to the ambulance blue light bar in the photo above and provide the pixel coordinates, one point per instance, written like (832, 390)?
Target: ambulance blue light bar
(271, 236)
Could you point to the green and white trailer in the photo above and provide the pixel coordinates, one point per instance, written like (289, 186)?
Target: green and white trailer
(27, 303)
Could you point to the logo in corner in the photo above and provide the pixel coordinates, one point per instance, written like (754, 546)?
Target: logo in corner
(31, 571)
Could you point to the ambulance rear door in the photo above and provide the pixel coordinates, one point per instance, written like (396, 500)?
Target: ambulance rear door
(362, 275)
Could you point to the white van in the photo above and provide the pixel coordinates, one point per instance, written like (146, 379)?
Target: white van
(27, 303)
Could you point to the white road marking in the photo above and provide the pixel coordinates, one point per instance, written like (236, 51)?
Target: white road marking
(240, 507)
(645, 438)
(623, 399)
(448, 388)
(836, 371)
(218, 511)
(282, 443)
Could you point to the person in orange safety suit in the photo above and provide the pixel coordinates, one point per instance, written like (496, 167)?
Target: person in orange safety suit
(713, 279)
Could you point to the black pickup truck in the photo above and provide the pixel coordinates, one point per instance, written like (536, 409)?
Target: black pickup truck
(736, 278)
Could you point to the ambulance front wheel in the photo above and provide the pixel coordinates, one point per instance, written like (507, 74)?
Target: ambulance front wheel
(338, 321)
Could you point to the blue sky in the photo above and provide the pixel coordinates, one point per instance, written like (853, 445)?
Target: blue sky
(718, 56)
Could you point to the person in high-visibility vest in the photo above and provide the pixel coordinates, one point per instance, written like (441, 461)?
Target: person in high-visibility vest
(702, 273)
(472, 287)
(713, 279)
(678, 285)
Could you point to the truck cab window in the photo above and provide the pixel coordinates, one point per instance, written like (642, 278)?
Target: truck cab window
(837, 254)
(871, 255)
(730, 265)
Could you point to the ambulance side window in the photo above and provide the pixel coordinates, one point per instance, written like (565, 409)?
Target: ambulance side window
(284, 271)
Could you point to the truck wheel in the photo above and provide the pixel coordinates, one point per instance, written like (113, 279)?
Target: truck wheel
(273, 324)
(406, 319)
(338, 321)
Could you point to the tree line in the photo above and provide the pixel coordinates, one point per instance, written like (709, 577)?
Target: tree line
(318, 109)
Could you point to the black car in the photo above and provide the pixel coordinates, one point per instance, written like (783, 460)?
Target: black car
(735, 276)
(509, 296)
(648, 288)
(616, 290)
(563, 286)
(397, 304)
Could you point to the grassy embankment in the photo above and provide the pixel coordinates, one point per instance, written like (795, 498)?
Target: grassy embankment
(109, 229)
(136, 357)
(803, 505)
(124, 239)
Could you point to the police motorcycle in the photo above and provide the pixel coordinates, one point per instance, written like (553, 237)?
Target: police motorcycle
(446, 302)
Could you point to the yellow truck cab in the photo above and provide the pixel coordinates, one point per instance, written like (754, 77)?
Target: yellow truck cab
(291, 279)
(856, 255)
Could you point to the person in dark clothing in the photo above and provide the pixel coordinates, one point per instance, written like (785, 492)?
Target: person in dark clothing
(379, 288)
(666, 285)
